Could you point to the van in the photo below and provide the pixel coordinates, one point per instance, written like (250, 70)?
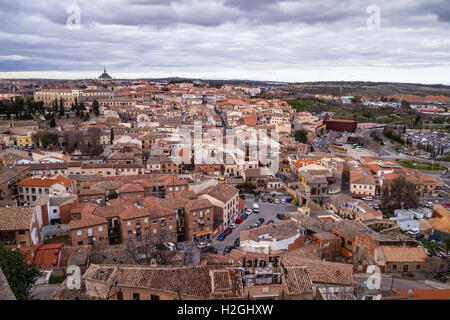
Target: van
(255, 206)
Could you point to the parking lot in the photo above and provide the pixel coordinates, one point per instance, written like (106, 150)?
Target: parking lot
(267, 210)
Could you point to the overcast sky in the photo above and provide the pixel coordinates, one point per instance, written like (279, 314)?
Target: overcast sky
(228, 39)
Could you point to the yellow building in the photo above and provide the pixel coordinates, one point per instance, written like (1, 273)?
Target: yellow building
(23, 141)
(105, 139)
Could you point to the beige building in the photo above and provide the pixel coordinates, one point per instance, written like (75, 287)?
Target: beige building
(362, 182)
(226, 200)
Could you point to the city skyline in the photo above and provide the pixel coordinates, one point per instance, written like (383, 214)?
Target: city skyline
(287, 41)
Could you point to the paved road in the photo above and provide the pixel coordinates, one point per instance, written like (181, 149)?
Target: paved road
(43, 292)
(268, 211)
(397, 283)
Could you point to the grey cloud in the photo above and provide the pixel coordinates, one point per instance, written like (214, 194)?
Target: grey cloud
(221, 37)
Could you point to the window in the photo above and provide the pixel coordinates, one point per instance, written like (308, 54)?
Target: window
(21, 232)
(418, 267)
(120, 295)
(154, 297)
(80, 242)
(136, 296)
(100, 229)
(394, 267)
(79, 233)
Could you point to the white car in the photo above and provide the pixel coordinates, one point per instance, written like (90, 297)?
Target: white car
(248, 211)
(283, 201)
(233, 225)
(170, 246)
(276, 201)
(368, 198)
(202, 245)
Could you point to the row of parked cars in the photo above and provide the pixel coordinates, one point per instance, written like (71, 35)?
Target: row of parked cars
(275, 201)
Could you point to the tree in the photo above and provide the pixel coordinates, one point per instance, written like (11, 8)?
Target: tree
(20, 274)
(447, 244)
(356, 99)
(61, 110)
(401, 194)
(96, 107)
(246, 187)
(301, 136)
(49, 139)
(417, 119)
(52, 122)
(112, 135)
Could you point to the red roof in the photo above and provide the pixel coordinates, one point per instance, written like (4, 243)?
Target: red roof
(45, 182)
(43, 256)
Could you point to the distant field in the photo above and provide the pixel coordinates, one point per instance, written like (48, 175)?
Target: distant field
(426, 166)
(311, 105)
(374, 116)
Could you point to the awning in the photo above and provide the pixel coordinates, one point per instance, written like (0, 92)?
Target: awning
(203, 233)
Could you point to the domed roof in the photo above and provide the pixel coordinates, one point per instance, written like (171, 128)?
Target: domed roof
(105, 75)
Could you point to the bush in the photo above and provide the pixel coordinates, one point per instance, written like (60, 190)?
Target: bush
(56, 279)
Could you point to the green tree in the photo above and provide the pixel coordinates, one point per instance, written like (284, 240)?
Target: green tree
(20, 274)
(356, 99)
(112, 135)
(417, 119)
(49, 139)
(52, 122)
(96, 107)
(246, 187)
(61, 110)
(301, 136)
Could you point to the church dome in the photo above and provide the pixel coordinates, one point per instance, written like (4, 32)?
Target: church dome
(105, 75)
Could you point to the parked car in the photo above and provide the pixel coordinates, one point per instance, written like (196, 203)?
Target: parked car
(233, 226)
(280, 216)
(368, 198)
(202, 245)
(228, 249)
(420, 236)
(283, 201)
(179, 246)
(228, 231)
(248, 211)
(237, 242)
(270, 222)
(221, 237)
(277, 201)
(170, 246)
(261, 220)
(239, 220)
(244, 216)
(265, 200)
(270, 200)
